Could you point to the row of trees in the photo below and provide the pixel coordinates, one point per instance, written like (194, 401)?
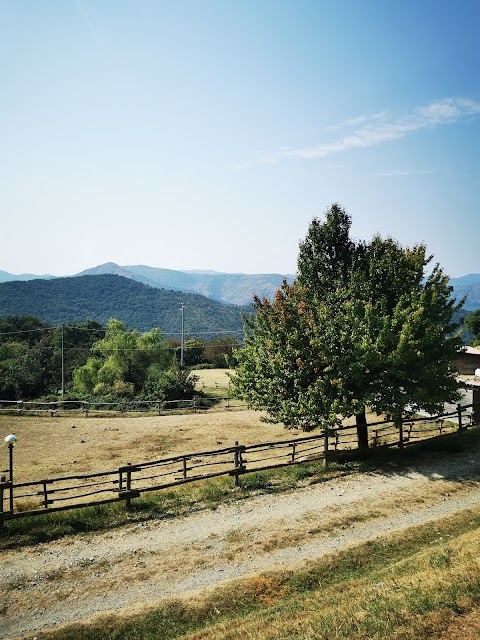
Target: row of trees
(36, 358)
(31, 354)
(363, 325)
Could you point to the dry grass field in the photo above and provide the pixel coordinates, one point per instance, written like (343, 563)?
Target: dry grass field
(48, 447)
(214, 382)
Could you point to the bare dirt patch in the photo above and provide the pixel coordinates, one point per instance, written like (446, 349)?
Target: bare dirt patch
(463, 627)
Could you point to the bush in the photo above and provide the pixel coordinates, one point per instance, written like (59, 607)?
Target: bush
(174, 384)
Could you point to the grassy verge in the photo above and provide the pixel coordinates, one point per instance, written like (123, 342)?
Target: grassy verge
(206, 494)
(408, 586)
(209, 494)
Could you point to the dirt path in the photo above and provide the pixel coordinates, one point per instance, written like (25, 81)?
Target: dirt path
(72, 579)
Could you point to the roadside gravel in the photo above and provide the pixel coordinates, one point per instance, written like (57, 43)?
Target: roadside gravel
(72, 579)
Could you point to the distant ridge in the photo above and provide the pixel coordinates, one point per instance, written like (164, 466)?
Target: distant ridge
(469, 286)
(104, 296)
(229, 288)
(11, 277)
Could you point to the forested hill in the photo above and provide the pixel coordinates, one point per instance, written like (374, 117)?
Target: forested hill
(102, 297)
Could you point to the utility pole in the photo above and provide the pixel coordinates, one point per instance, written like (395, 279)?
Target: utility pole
(63, 365)
(182, 307)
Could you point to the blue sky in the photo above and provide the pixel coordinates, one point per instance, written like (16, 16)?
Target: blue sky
(207, 134)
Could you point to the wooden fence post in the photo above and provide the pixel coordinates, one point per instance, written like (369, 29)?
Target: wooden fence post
(120, 481)
(459, 412)
(236, 463)
(293, 452)
(2, 483)
(45, 494)
(325, 449)
(184, 468)
(128, 486)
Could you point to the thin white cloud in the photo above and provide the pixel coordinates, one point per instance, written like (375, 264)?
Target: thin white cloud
(401, 173)
(367, 119)
(384, 127)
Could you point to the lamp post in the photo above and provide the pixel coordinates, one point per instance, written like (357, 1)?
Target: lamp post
(10, 440)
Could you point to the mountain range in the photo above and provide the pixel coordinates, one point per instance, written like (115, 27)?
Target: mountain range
(230, 288)
(101, 297)
(144, 297)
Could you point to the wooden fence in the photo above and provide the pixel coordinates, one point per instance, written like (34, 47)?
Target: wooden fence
(88, 407)
(21, 499)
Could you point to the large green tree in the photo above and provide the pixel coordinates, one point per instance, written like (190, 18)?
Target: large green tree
(293, 363)
(126, 363)
(364, 325)
(327, 259)
(410, 336)
(123, 361)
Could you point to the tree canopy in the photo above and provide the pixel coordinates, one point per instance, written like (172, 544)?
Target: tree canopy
(31, 355)
(123, 361)
(363, 325)
(38, 360)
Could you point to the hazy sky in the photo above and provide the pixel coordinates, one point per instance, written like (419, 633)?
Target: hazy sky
(207, 134)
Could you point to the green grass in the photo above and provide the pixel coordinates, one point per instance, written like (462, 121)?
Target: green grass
(213, 492)
(408, 586)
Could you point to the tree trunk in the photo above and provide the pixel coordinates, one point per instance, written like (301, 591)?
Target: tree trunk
(362, 429)
(398, 422)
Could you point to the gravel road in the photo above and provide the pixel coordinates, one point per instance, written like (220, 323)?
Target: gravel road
(73, 579)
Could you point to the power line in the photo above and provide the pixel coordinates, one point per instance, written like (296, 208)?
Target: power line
(172, 333)
(11, 333)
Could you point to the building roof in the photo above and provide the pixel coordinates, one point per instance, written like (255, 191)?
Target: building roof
(470, 350)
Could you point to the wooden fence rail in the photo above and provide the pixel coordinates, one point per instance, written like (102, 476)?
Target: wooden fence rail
(21, 499)
(89, 407)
